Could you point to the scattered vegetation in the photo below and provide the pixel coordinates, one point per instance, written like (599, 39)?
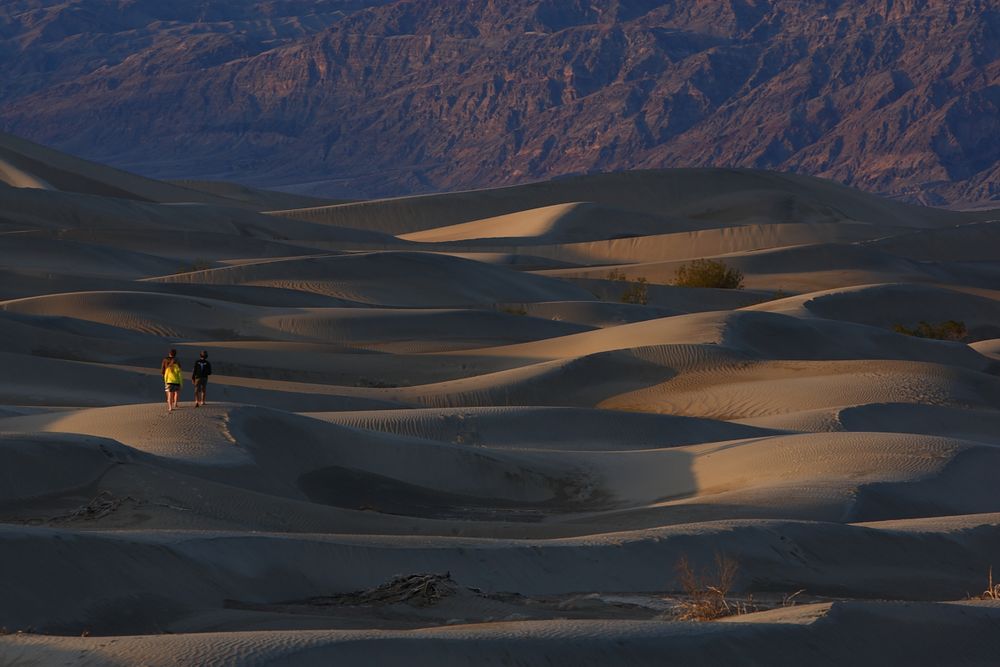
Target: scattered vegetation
(617, 275)
(948, 330)
(26, 631)
(514, 310)
(197, 264)
(992, 591)
(708, 273)
(416, 590)
(788, 599)
(369, 383)
(100, 506)
(776, 295)
(637, 291)
(104, 504)
(708, 592)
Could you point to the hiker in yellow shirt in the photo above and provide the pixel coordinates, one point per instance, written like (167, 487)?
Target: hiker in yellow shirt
(172, 379)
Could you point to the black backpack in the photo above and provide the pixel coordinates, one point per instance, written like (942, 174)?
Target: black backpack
(202, 368)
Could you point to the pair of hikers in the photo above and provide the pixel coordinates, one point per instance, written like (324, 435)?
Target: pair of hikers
(173, 378)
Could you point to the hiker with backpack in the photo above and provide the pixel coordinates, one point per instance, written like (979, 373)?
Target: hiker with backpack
(199, 377)
(172, 379)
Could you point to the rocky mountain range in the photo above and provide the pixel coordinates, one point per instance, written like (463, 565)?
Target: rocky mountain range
(368, 98)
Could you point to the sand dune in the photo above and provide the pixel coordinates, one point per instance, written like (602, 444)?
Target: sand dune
(24, 251)
(181, 245)
(86, 214)
(907, 633)
(17, 178)
(24, 283)
(789, 554)
(431, 280)
(26, 160)
(438, 430)
(353, 365)
(706, 242)
(863, 476)
(260, 200)
(561, 223)
(37, 380)
(972, 242)
(755, 335)
(989, 348)
(966, 423)
(777, 387)
(895, 304)
(165, 315)
(24, 164)
(515, 260)
(694, 192)
(596, 313)
(67, 338)
(544, 428)
(812, 268)
(416, 330)
(581, 381)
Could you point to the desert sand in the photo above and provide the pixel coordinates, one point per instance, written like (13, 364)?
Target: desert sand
(435, 434)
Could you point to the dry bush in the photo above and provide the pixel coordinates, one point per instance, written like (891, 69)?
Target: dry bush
(992, 591)
(708, 273)
(637, 292)
(197, 264)
(708, 592)
(788, 599)
(616, 275)
(948, 330)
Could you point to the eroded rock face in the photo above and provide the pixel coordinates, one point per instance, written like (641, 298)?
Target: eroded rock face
(899, 97)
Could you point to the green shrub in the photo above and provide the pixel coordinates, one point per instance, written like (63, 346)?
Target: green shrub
(708, 273)
(949, 330)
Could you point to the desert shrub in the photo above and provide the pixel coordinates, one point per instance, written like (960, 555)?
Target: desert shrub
(616, 275)
(708, 592)
(774, 296)
(992, 591)
(948, 330)
(197, 264)
(708, 273)
(514, 310)
(368, 383)
(637, 292)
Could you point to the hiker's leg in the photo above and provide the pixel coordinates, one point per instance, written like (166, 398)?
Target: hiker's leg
(167, 392)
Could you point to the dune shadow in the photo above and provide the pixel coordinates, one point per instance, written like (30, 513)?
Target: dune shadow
(349, 488)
